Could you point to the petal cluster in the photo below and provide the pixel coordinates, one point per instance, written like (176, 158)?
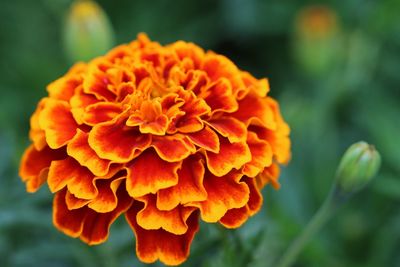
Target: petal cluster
(166, 135)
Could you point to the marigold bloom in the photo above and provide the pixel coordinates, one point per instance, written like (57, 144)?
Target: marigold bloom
(165, 135)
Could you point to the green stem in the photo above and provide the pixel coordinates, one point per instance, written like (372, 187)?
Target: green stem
(315, 224)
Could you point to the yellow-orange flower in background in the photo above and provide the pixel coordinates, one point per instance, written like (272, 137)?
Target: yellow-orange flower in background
(163, 134)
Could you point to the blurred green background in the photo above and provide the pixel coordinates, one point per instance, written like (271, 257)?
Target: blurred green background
(335, 70)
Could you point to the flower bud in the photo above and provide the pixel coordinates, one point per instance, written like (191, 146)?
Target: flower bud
(359, 164)
(317, 40)
(88, 31)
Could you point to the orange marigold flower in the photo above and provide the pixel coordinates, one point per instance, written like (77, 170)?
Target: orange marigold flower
(163, 134)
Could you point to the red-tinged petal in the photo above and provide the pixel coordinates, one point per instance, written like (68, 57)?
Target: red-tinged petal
(36, 134)
(96, 82)
(219, 97)
(35, 164)
(69, 172)
(206, 139)
(116, 142)
(106, 200)
(269, 175)
(224, 193)
(173, 148)
(101, 112)
(97, 225)
(148, 173)
(79, 102)
(234, 218)
(218, 66)
(261, 155)
(254, 110)
(79, 149)
(64, 88)
(172, 221)
(70, 222)
(260, 87)
(152, 245)
(230, 128)
(57, 121)
(189, 188)
(73, 202)
(231, 156)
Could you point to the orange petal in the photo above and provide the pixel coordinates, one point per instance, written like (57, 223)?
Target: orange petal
(148, 173)
(69, 172)
(261, 155)
(79, 149)
(173, 148)
(64, 88)
(254, 110)
(97, 225)
(79, 102)
(35, 164)
(70, 222)
(269, 175)
(106, 200)
(96, 81)
(114, 141)
(36, 134)
(189, 188)
(101, 112)
(234, 218)
(231, 156)
(224, 193)
(73, 202)
(173, 221)
(206, 139)
(260, 87)
(219, 97)
(57, 121)
(152, 245)
(230, 128)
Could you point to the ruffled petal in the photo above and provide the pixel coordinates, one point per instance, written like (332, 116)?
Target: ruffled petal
(269, 175)
(116, 142)
(69, 172)
(35, 165)
(173, 148)
(57, 121)
(219, 97)
(172, 221)
(230, 128)
(101, 112)
(206, 139)
(261, 155)
(231, 156)
(79, 149)
(73, 202)
(254, 110)
(36, 134)
(79, 102)
(189, 188)
(224, 193)
(148, 173)
(106, 199)
(152, 245)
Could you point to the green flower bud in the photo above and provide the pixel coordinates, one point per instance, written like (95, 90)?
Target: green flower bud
(359, 164)
(88, 31)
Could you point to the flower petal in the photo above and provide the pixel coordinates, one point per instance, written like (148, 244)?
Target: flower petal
(254, 110)
(101, 112)
(159, 244)
(219, 97)
(69, 172)
(35, 164)
(206, 139)
(57, 121)
(261, 155)
(79, 102)
(173, 148)
(106, 200)
(230, 128)
(73, 202)
(172, 221)
(189, 188)
(79, 149)
(36, 134)
(224, 193)
(112, 140)
(148, 173)
(231, 156)
(269, 175)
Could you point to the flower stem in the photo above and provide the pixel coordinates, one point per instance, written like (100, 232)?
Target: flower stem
(315, 224)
